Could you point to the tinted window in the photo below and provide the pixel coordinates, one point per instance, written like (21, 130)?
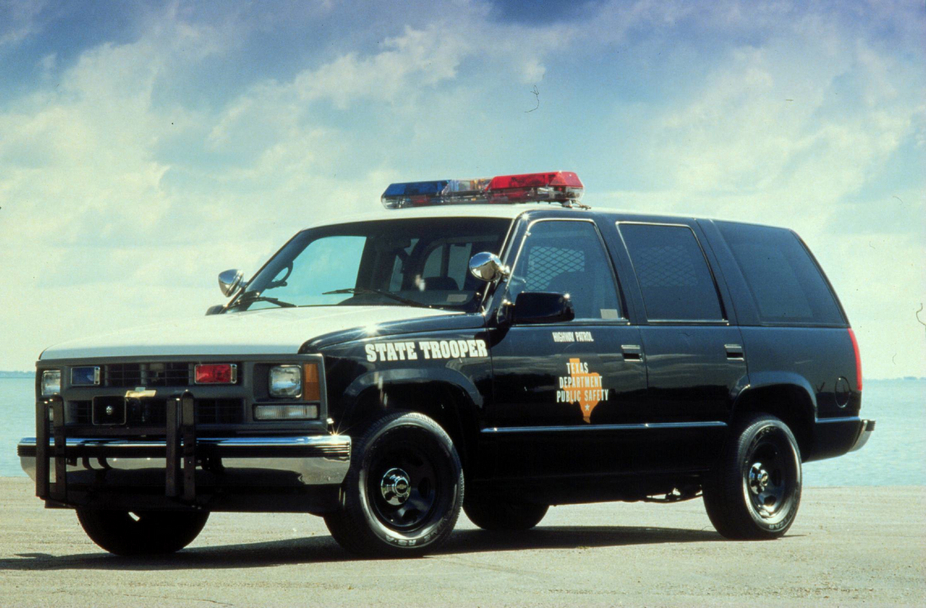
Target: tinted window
(567, 257)
(785, 283)
(674, 277)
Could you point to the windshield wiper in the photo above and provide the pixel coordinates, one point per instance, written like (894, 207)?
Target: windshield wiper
(379, 292)
(254, 296)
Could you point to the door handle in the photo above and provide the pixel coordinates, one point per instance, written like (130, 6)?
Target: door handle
(632, 352)
(735, 351)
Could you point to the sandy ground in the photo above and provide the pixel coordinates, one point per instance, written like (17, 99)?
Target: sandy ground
(849, 546)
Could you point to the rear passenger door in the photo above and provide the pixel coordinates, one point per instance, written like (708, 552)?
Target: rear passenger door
(694, 357)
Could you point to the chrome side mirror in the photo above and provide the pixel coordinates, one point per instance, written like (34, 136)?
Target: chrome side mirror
(230, 280)
(487, 266)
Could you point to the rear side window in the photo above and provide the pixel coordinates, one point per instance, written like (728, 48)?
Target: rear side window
(785, 283)
(674, 277)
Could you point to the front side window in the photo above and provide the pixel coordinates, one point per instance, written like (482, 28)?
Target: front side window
(567, 257)
(674, 278)
(414, 262)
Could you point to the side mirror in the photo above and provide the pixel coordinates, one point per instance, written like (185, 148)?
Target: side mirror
(230, 280)
(214, 310)
(487, 266)
(541, 307)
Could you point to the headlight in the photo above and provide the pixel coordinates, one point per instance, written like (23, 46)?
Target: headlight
(51, 382)
(286, 381)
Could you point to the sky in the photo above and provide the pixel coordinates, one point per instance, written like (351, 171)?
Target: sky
(147, 146)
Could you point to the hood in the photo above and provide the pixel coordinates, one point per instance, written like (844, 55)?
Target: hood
(260, 332)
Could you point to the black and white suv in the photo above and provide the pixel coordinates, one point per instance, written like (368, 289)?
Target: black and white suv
(493, 334)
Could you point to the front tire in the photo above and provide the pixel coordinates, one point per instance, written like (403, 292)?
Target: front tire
(754, 491)
(142, 532)
(503, 515)
(403, 492)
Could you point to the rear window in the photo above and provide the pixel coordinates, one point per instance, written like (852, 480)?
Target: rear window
(785, 282)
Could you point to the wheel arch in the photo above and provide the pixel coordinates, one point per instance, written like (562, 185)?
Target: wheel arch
(446, 396)
(788, 397)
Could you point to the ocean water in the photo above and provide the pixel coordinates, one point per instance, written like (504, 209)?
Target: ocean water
(895, 454)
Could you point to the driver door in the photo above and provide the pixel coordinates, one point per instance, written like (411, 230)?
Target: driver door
(561, 387)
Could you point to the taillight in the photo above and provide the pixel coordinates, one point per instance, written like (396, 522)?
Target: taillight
(858, 360)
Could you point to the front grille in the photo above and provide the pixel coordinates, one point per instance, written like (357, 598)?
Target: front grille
(81, 412)
(219, 411)
(130, 375)
(153, 412)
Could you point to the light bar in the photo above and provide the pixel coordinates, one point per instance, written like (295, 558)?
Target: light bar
(559, 187)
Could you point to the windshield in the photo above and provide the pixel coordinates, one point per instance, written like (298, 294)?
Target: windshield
(412, 262)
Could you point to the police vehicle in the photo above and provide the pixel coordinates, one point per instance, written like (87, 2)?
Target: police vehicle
(488, 345)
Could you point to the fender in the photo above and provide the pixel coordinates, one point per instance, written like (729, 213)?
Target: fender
(407, 376)
(461, 420)
(778, 378)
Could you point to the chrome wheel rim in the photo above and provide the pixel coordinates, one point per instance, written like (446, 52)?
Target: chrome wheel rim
(403, 487)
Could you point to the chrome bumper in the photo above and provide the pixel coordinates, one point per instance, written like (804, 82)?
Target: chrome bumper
(868, 426)
(311, 460)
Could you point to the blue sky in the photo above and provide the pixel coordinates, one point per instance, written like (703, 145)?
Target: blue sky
(146, 146)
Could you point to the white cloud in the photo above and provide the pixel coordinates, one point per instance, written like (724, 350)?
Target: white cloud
(417, 58)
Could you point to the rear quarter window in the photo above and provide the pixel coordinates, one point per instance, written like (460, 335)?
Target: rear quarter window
(785, 282)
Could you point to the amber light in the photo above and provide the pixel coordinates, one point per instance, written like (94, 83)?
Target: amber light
(311, 391)
(215, 373)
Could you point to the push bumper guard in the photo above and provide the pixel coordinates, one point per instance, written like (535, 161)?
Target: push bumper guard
(254, 462)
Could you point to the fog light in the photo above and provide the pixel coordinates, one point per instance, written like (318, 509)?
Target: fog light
(285, 412)
(286, 381)
(51, 382)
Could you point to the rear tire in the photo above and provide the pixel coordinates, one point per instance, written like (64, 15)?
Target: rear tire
(403, 492)
(754, 491)
(142, 532)
(501, 515)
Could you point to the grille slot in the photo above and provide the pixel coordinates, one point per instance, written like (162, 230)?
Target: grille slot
(153, 412)
(130, 375)
(80, 412)
(219, 411)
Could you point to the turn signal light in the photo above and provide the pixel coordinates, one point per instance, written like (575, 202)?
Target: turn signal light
(311, 391)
